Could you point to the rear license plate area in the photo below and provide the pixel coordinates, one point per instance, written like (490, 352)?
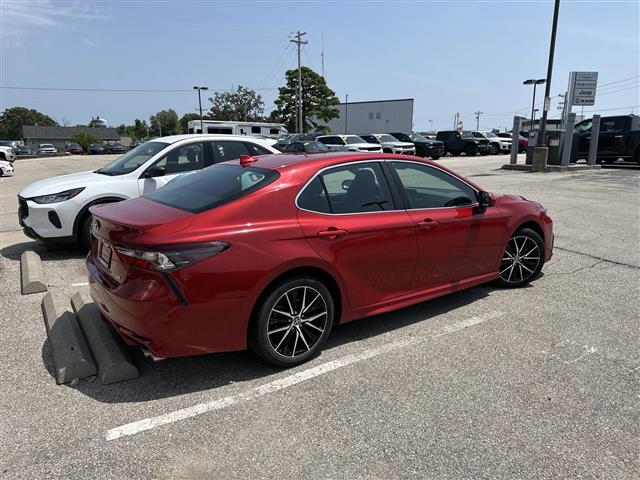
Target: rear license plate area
(104, 253)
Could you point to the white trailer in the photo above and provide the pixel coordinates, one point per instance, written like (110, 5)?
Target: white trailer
(258, 129)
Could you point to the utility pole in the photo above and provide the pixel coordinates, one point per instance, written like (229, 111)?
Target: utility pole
(478, 113)
(547, 91)
(200, 104)
(322, 55)
(455, 121)
(299, 42)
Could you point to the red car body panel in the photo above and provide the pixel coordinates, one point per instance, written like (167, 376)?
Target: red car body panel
(387, 260)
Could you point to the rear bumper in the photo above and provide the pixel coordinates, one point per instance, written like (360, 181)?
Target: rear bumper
(145, 311)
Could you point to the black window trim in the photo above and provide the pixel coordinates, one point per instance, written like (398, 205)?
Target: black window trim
(396, 188)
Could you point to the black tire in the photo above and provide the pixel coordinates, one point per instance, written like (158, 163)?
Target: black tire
(518, 267)
(1, 172)
(84, 232)
(636, 157)
(435, 157)
(281, 312)
(495, 149)
(521, 149)
(455, 153)
(470, 150)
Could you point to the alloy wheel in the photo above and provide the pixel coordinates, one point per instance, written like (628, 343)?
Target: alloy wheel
(297, 321)
(521, 259)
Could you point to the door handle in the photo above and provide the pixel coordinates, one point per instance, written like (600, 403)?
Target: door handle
(332, 233)
(427, 224)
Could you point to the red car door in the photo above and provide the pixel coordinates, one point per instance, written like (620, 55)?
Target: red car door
(456, 241)
(349, 218)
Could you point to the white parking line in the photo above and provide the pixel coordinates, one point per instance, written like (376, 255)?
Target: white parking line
(82, 284)
(256, 392)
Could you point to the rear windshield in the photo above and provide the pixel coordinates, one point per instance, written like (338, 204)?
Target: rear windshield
(211, 187)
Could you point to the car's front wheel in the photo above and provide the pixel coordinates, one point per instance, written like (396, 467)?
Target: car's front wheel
(495, 149)
(470, 150)
(435, 157)
(522, 260)
(292, 322)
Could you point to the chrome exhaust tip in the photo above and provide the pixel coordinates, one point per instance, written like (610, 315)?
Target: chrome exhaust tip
(148, 354)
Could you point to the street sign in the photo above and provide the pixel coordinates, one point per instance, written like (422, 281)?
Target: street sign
(584, 88)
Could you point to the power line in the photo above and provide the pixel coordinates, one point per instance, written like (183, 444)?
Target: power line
(618, 81)
(118, 90)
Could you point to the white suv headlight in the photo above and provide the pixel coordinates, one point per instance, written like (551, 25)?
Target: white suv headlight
(58, 197)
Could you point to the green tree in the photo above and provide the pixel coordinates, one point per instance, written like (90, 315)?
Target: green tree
(137, 131)
(12, 120)
(187, 117)
(165, 122)
(84, 139)
(319, 102)
(95, 122)
(242, 105)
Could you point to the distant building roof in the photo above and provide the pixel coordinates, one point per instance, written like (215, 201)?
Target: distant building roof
(67, 133)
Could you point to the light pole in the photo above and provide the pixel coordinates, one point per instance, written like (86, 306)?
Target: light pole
(534, 82)
(200, 104)
(346, 113)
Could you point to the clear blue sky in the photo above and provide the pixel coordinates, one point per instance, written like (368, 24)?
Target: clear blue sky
(451, 56)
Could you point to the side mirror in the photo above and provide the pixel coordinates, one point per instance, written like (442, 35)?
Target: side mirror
(154, 171)
(485, 200)
(346, 184)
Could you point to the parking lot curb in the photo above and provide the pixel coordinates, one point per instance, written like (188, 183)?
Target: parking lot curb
(72, 359)
(110, 352)
(31, 273)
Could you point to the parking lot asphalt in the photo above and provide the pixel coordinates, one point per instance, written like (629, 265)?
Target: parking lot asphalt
(541, 382)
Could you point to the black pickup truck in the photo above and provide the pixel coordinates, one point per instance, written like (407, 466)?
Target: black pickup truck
(457, 142)
(619, 138)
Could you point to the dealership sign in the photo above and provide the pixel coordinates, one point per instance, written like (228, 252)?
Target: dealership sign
(582, 88)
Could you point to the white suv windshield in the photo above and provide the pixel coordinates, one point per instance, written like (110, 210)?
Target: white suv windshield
(387, 138)
(490, 135)
(133, 159)
(351, 139)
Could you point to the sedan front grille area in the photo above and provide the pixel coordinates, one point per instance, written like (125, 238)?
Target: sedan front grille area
(23, 210)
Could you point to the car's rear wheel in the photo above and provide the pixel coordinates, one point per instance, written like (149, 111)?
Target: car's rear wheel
(292, 322)
(470, 150)
(522, 260)
(435, 157)
(455, 153)
(84, 232)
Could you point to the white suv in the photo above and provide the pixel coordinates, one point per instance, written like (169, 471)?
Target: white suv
(349, 143)
(8, 153)
(57, 209)
(390, 144)
(498, 144)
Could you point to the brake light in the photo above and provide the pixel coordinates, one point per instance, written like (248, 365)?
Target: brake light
(170, 257)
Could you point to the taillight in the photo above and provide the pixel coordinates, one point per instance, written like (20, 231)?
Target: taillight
(170, 257)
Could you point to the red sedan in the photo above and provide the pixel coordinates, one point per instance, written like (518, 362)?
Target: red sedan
(269, 252)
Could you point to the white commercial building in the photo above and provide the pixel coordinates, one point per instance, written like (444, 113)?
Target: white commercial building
(380, 116)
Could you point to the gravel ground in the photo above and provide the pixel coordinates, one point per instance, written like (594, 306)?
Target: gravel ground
(542, 382)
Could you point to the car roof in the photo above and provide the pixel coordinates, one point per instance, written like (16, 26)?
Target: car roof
(206, 136)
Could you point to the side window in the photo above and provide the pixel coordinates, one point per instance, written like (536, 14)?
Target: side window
(357, 188)
(256, 130)
(583, 127)
(613, 125)
(228, 150)
(327, 140)
(256, 149)
(428, 187)
(183, 159)
(314, 197)
(274, 131)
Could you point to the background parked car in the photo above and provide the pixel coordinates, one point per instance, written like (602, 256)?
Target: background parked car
(47, 149)
(353, 143)
(523, 142)
(6, 168)
(619, 137)
(95, 148)
(74, 149)
(306, 147)
(285, 140)
(23, 150)
(498, 144)
(116, 148)
(457, 142)
(7, 152)
(425, 147)
(390, 144)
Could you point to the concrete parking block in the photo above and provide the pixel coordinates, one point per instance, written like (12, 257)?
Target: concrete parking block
(110, 352)
(72, 358)
(31, 273)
